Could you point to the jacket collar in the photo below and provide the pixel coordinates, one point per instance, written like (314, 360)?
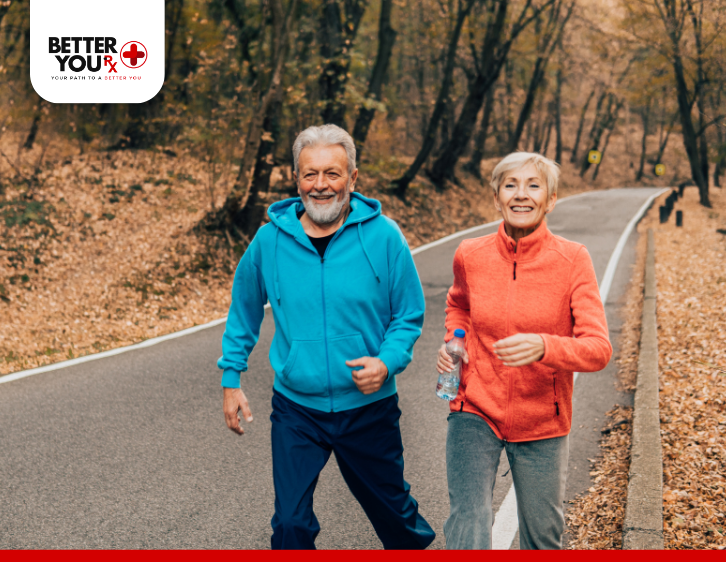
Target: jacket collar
(528, 248)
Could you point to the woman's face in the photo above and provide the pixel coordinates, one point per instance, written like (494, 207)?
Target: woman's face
(523, 200)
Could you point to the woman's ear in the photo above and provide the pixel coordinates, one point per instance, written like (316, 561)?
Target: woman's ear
(497, 206)
(551, 204)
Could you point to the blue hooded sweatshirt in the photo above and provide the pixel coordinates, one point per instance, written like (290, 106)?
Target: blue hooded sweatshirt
(363, 298)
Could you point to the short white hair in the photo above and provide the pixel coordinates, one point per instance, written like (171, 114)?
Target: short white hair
(324, 135)
(548, 169)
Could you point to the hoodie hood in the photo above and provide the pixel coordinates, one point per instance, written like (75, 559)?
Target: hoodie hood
(283, 214)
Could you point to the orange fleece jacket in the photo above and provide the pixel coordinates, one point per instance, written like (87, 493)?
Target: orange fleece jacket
(544, 285)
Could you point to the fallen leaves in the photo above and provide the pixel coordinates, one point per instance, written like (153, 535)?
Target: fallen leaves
(692, 361)
(690, 261)
(595, 519)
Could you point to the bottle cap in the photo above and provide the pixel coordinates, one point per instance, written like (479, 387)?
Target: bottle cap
(459, 333)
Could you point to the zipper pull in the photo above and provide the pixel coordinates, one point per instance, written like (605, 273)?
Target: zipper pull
(514, 273)
(462, 406)
(322, 260)
(557, 408)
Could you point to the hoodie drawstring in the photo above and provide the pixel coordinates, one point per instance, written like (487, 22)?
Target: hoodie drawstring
(274, 267)
(360, 237)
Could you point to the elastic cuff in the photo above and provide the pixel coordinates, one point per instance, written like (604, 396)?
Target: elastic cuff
(546, 347)
(390, 362)
(230, 378)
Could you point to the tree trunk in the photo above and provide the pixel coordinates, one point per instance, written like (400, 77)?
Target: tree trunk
(386, 40)
(540, 67)
(596, 130)
(4, 8)
(232, 212)
(30, 139)
(690, 141)
(336, 42)
(573, 156)
(606, 123)
(254, 211)
(548, 133)
(441, 100)
(604, 148)
(664, 140)
(558, 118)
(474, 164)
(718, 168)
(643, 145)
(494, 53)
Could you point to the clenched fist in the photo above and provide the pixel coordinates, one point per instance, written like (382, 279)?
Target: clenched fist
(371, 377)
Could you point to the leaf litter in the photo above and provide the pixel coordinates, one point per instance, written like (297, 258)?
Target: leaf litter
(691, 303)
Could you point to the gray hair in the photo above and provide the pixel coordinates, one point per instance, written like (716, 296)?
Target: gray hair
(324, 135)
(548, 169)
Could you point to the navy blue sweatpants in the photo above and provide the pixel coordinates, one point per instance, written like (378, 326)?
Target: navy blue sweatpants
(368, 447)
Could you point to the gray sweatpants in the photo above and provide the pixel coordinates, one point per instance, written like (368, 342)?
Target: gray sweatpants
(539, 471)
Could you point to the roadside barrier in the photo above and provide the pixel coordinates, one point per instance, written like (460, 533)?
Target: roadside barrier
(643, 525)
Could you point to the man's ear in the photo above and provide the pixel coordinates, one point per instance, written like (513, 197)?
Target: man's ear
(297, 183)
(353, 177)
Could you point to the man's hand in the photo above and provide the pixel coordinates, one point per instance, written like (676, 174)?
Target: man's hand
(520, 349)
(234, 401)
(371, 377)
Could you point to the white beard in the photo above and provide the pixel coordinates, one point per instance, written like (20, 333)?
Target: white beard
(324, 214)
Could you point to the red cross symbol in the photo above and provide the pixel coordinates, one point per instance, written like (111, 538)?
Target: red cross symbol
(130, 57)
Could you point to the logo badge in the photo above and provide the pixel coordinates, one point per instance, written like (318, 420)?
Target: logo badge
(83, 51)
(133, 54)
(594, 157)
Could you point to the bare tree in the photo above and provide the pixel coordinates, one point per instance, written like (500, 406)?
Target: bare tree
(674, 14)
(230, 215)
(645, 116)
(386, 40)
(547, 41)
(337, 36)
(487, 63)
(464, 8)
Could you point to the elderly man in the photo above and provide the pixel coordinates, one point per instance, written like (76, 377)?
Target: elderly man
(348, 308)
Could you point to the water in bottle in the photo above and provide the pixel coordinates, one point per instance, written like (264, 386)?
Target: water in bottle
(447, 386)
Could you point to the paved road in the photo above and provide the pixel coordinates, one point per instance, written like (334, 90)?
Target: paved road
(132, 452)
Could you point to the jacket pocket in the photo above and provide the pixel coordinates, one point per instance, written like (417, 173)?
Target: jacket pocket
(342, 349)
(554, 388)
(305, 369)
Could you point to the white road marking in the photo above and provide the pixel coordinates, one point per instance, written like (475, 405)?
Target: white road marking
(505, 526)
(506, 522)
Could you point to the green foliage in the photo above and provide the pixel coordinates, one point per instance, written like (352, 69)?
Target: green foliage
(18, 212)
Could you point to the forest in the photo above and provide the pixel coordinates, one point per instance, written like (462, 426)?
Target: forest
(427, 88)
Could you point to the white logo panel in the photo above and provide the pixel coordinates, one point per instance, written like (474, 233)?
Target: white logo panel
(86, 51)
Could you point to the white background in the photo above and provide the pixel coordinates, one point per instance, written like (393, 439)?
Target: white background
(125, 20)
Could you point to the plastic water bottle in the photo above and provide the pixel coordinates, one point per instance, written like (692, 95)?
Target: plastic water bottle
(447, 386)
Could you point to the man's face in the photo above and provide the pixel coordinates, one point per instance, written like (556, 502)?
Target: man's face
(323, 182)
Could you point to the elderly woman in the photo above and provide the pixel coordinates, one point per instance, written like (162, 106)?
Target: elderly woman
(530, 305)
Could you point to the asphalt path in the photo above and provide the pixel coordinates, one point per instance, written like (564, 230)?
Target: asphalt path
(131, 451)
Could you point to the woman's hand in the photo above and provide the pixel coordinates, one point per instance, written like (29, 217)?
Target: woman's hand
(445, 363)
(519, 350)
